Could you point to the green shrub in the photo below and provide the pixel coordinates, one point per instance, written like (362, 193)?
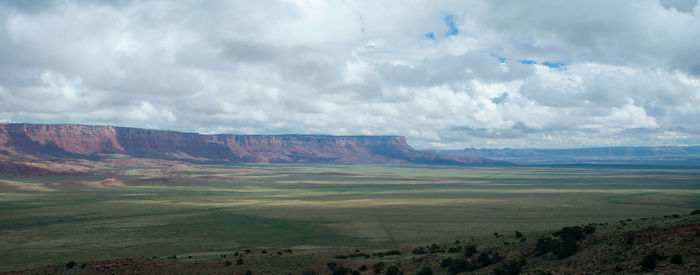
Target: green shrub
(392, 270)
(418, 250)
(392, 252)
(239, 261)
(677, 259)
(469, 250)
(340, 270)
(484, 259)
(509, 268)
(649, 262)
(378, 267)
(425, 271)
(566, 248)
(518, 235)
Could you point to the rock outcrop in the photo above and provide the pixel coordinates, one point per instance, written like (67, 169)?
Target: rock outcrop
(94, 142)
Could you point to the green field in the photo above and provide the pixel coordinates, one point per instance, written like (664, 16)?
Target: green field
(212, 209)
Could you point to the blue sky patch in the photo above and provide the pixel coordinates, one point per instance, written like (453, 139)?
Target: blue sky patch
(554, 65)
(430, 36)
(452, 28)
(528, 62)
(500, 58)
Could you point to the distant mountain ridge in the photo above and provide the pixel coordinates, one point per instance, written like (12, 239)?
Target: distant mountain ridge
(66, 141)
(632, 155)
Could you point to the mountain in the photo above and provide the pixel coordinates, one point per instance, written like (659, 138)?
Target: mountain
(628, 155)
(70, 141)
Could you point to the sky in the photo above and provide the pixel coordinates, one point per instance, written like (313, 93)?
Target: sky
(445, 74)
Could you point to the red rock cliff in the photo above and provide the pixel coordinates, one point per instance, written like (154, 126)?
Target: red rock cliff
(94, 141)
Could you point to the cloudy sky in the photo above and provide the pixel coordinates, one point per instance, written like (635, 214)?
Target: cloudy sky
(446, 74)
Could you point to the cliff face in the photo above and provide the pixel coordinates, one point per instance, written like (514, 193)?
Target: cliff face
(83, 141)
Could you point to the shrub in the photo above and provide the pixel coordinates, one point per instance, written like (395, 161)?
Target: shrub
(392, 252)
(355, 272)
(588, 229)
(484, 259)
(545, 245)
(453, 249)
(70, 265)
(629, 237)
(378, 267)
(459, 265)
(425, 271)
(575, 233)
(469, 250)
(419, 250)
(446, 262)
(695, 212)
(228, 263)
(677, 259)
(433, 248)
(496, 258)
(649, 262)
(566, 248)
(340, 270)
(509, 268)
(392, 270)
(362, 268)
(518, 235)
(331, 265)
(248, 272)
(239, 261)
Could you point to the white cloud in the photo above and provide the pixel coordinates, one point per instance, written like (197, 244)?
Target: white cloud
(629, 72)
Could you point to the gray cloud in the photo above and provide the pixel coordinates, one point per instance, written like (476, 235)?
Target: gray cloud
(628, 75)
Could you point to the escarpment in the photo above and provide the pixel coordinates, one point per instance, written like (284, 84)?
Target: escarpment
(87, 141)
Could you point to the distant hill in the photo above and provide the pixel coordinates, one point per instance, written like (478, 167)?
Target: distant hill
(68, 141)
(657, 155)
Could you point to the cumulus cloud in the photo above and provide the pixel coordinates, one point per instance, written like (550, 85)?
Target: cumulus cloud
(447, 75)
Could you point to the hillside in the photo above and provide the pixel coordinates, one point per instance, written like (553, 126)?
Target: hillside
(656, 245)
(66, 141)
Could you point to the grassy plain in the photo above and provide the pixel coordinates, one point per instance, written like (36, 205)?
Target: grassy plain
(210, 209)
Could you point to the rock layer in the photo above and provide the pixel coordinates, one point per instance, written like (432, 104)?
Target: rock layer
(85, 141)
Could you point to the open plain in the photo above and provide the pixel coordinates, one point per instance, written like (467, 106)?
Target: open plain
(118, 211)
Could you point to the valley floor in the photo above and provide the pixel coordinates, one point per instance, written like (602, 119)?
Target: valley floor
(139, 212)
